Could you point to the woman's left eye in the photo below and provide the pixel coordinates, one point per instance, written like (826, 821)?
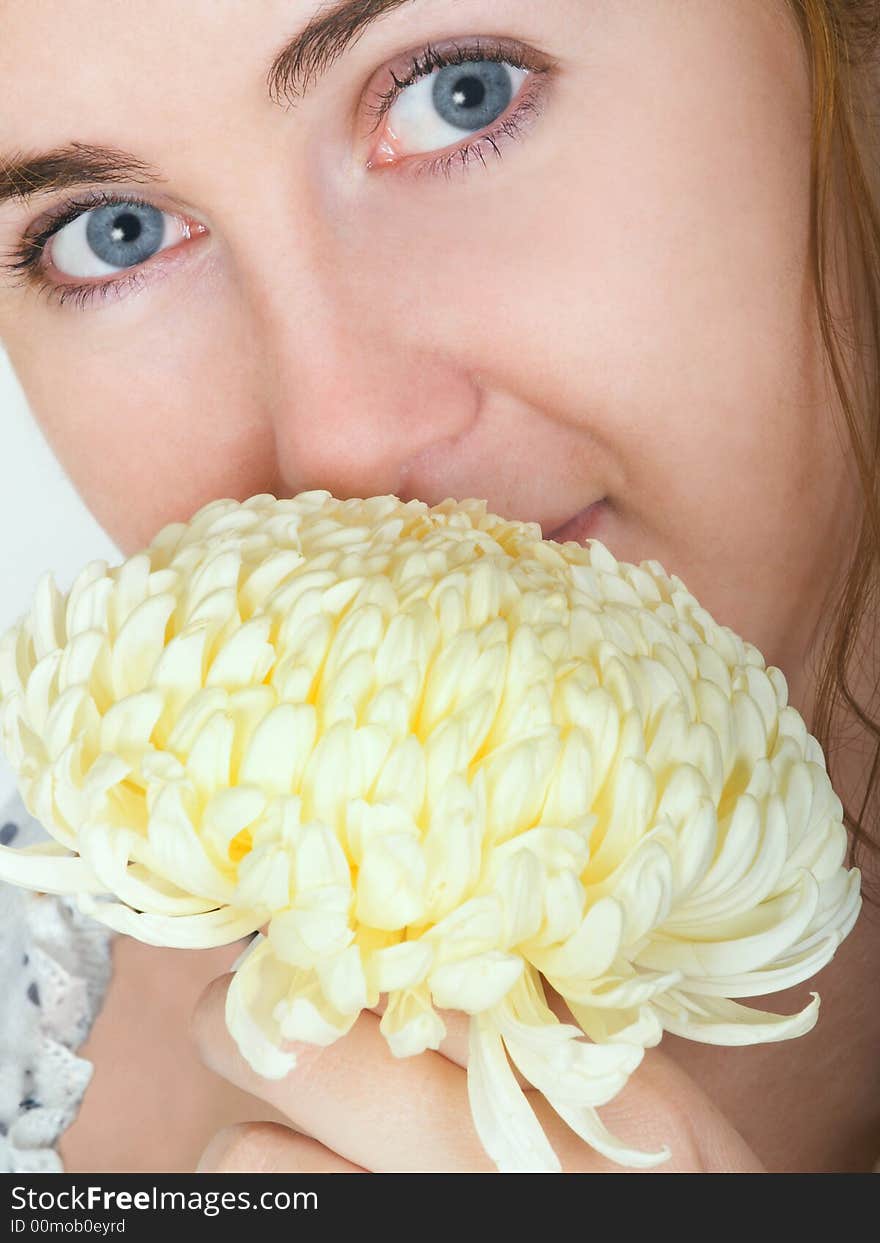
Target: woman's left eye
(450, 104)
(112, 238)
(449, 96)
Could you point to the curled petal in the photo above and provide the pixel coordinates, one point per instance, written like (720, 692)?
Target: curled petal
(401, 966)
(473, 928)
(344, 981)
(49, 868)
(474, 984)
(556, 1054)
(587, 1124)
(264, 880)
(260, 982)
(505, 1121)
(316, 926)
(795, 967)
(591, 950)
(306, 1014)
(768, 932)
(201, 931)
(618, 992)
(391, 882)
(638, 1025)
(177, 852)
(109, 851)
(719, 1021)
(410, 1023)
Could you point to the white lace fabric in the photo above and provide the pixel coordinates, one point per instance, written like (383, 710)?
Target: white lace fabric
(55, 966)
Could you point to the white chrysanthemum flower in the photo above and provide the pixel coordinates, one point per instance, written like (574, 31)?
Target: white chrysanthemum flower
(441, 758)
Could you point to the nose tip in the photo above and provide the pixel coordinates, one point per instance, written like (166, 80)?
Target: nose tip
(421, 476)
(394, 435)
(363, 395)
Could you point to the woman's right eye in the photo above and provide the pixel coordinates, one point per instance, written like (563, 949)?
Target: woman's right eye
(113, 237)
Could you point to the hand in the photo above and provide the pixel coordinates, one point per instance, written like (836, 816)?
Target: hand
(358, 1109)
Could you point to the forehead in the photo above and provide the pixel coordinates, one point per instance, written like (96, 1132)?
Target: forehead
(185, 85)
(100, 64)
(92, 67)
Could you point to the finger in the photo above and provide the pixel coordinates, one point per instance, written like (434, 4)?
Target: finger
(378, 1111)
(268, 1148)
(413, 1114)
(454, 1044)
(661, 1106)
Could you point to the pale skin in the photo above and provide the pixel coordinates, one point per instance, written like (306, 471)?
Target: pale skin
(618, 308)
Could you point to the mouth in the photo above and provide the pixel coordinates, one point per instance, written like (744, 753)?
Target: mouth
(580, 526)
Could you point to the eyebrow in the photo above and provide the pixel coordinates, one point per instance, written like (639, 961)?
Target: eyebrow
(327, 36)
(305, 58)
(78, 163)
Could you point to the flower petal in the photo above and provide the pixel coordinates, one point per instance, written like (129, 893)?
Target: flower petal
(410, 1023)
(777, 925)
(202, 931)
(475, 984)
(259, 983)
(505, 1121)
(719, 1021)
(49, 868)
(396, 967)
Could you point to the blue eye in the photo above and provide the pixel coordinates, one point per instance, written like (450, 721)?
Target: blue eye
(113, 237)
(125, 234)
(470, 97)
(439, 108)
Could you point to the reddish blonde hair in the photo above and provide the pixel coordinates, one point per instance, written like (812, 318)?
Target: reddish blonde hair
(842, 42)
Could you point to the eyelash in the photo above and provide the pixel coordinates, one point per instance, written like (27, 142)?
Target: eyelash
(431, 58)
(24, 259)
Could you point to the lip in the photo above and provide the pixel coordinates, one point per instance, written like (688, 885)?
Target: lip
(581, 526)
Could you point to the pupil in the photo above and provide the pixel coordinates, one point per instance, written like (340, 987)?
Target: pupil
(126, 235)
(126, 227)
(469, 92)
(470, 99)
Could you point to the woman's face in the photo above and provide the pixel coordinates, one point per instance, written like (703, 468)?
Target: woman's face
(323, 296)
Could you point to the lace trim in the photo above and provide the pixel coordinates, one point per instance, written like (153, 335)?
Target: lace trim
(55, 967)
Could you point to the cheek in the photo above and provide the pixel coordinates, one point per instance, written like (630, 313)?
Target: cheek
(155, 426)
(647, 283)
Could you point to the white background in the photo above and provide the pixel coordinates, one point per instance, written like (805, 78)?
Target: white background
(45, 526)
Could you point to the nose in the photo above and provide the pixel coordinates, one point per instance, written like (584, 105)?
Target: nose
(358, 407)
